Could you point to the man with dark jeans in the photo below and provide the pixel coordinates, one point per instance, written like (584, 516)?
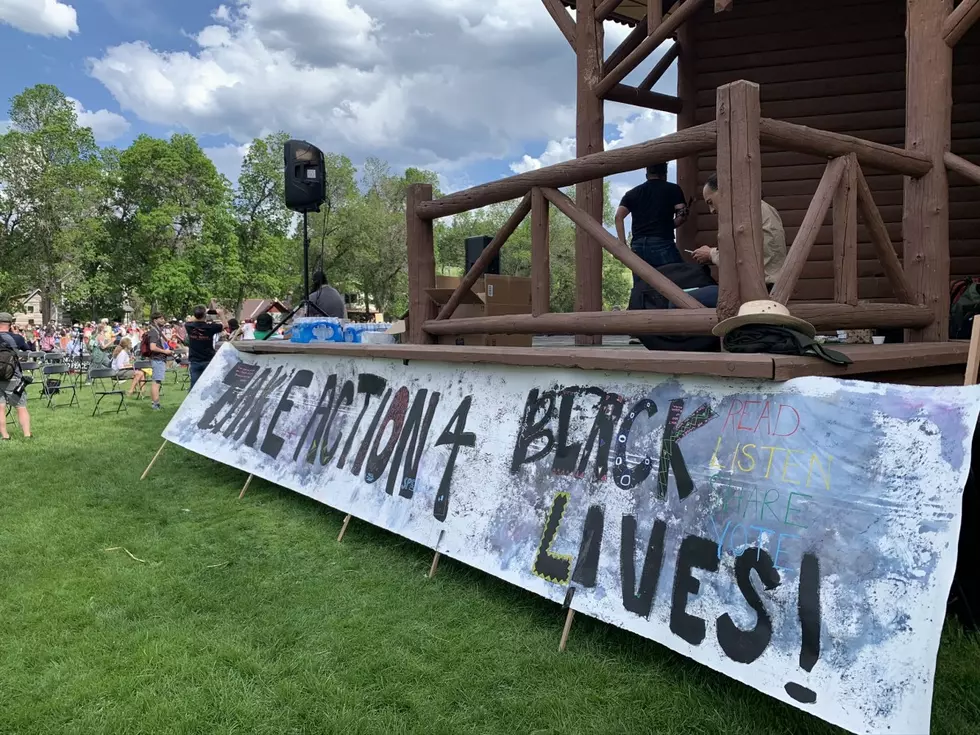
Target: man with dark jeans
(200, 342)
(658, 208)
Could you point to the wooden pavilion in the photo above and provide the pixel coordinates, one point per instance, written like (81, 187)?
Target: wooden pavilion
(865, 113)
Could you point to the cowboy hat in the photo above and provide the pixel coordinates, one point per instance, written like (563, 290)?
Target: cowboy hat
(767, 313)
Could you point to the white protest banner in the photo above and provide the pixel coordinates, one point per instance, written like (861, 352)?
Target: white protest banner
(800, 537)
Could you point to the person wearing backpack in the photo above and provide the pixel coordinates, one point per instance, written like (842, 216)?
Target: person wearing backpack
(12, 388)
(159, 351)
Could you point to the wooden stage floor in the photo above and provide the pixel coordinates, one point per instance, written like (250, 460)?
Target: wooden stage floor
(941, 363)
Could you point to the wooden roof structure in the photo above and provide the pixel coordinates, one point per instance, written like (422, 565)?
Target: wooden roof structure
(862, 112)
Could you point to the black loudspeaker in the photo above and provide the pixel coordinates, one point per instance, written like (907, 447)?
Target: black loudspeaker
(475, 247)
(306, 181)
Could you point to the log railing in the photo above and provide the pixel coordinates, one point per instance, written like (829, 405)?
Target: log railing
(737, 135)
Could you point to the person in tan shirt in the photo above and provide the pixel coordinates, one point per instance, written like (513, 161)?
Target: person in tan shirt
(773, 236)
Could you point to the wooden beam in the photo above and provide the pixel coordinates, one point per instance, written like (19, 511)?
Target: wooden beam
(739, 196)
(589, 139)
(679, 321)
(723, 5)
(665, 30)
(845, 234)
(655, 15)
(878, 232)
(616, 161)
(960, 21)
(421, 263)
(928, 117)
(687, 166)
(807, 235)
(564, 21)
(671, 291)
(606, 8)
(660, 68)
(801, 139)
(489, 253)
(627, 45)
(962, 167)
(540, 254)
(644, 98)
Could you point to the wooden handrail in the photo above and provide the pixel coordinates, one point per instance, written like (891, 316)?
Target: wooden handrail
(807, 235)
(801, 139)
(960, 21)
(665, 30)
(670, 290)
(587, 168)
(882, 242)
(680, 321)
(962, 167)
(488, 254)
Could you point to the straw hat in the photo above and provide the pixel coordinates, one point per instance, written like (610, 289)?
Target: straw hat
(769, 313)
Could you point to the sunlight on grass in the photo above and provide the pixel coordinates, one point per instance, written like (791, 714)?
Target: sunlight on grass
(249, 617)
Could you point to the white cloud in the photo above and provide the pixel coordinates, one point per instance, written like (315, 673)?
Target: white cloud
(555, 151)
(43, 17)
(106, 125)
(432, 83)
(228, 159)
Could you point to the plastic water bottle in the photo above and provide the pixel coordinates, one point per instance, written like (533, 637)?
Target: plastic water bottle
(336, 330)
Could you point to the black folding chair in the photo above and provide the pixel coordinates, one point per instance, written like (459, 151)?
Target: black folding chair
(53, 384)
(108, 385)
(29, 367)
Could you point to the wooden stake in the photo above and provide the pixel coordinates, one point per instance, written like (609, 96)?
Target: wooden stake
(566, 630)
(435, 564)
(247, 483)
(973, 360)
(152, 461)
(343, 528)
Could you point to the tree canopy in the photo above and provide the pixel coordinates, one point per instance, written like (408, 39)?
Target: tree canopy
(156, 224)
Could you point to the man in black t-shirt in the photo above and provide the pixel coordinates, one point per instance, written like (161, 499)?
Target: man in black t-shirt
(200, 342)
(658, 208)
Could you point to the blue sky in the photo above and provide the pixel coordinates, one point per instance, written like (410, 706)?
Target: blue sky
(473, 89)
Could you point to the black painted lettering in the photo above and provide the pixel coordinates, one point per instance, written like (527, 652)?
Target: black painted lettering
(366, 442)
(695, 553)
(640, 601)
(368, 385)
(809, 612)
(229, 399)
(327, 450)
(533, 429)
(317, 422)
(456, 436)
(671, 456)
(394, 419)
(566, 454)
(601, 437)
(587, 562)
(231, 420)
(625, 476)
(272, 444)
(412, 438)
(253, 421)
(745, 646)
(553, 567)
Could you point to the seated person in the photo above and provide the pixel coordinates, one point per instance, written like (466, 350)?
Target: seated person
(122, 365)
(696, 280)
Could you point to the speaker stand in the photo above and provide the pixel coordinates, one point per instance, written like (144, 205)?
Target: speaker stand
(309, 305)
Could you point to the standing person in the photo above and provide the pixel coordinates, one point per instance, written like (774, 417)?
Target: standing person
(159, 352)
(201, 334)
(773, 236)
(13, 391)
(264, 326)
(326, 298)
(658, 208)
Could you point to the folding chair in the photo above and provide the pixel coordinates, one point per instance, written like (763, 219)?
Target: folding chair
(182, 373)
(99, 376)
(53, 384)
(142, 365)
(29, 368)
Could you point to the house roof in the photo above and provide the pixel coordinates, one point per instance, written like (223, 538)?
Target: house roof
(629, 12)
(252, 308)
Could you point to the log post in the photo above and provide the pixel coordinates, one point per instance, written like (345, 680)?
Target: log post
(845, 234)
(421, 264)
(588, 139)
(928, 112)
(540, 254)
(687, 166)
(655, 14)
(739, 197)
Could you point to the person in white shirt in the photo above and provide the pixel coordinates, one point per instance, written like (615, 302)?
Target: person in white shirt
(122, 365)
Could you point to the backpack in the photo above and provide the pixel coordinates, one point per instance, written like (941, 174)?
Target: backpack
(9, 362)
(964, 304)
(145, 345)
(685, 275)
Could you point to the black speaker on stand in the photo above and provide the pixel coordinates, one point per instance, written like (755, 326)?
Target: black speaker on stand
(474, 249)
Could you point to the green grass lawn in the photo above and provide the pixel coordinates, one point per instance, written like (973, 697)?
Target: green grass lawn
(248, 616)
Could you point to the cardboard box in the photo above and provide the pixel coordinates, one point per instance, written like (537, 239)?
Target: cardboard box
(490, 296)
